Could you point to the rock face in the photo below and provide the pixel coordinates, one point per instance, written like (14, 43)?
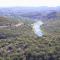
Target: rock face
(37, 28)
(3, 36)
(40, 57)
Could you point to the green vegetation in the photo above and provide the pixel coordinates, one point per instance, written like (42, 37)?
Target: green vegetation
(22, 44)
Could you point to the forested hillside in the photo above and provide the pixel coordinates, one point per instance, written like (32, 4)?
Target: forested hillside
(20, 43)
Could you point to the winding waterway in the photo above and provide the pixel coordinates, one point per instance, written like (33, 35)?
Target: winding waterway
(37, 28)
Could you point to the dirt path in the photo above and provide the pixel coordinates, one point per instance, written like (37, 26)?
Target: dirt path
(17, 25)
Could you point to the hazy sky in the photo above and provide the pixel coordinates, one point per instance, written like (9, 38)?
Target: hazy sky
(29, 3)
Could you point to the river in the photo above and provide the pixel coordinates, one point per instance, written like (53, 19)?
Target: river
(37, 28)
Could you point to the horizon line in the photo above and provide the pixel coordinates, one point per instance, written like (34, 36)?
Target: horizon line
(27, 6)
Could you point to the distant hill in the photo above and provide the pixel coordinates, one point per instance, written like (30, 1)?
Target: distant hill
(42, 13)
(4, 21)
